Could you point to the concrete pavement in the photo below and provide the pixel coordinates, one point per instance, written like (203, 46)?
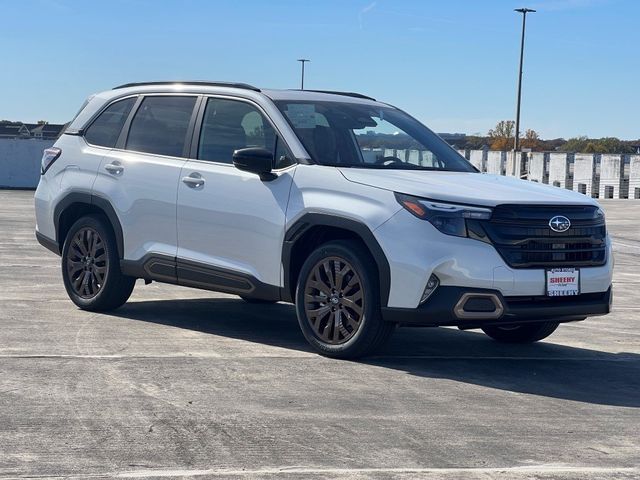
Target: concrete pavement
(182, 383)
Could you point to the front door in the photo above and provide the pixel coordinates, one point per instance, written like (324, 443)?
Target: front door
(231, 223)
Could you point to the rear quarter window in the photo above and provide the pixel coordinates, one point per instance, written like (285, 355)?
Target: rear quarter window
(105, 130)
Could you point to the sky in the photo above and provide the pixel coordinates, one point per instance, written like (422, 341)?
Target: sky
(452, 64)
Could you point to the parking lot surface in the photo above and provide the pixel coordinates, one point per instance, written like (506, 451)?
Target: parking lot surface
(181, 383)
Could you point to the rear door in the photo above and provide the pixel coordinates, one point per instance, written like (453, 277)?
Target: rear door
(231, 223)
(139, 177)
(98, 140)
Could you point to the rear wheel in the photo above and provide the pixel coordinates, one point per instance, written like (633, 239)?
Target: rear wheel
(338, 301)
(91, 266)
(527, 333)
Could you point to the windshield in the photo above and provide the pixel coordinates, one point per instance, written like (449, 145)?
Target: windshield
(363, 136)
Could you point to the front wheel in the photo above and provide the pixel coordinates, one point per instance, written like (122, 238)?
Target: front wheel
(338, 301)
(527, 333)
(91, 266)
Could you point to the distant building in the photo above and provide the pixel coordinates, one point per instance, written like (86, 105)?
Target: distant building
(47, 131)
(43, 131)
(454, 139)
(14, 130)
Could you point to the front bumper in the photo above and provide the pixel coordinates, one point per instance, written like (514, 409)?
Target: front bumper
(440, 309)
(416, 250)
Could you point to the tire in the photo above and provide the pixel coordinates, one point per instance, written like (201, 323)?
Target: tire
(527, 333)
(91, 266)
(258, 301)
(344, 321)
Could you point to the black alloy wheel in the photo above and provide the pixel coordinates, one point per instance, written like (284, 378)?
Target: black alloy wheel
(334, 300)
(338, 301)
(87, 263)
(91, 266)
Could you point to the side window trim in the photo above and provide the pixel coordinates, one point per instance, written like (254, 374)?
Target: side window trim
(124, 133)
(195, 139)
(191, 129)
(195, 134)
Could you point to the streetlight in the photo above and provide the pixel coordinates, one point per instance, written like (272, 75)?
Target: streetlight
(302, 61)
(516, 143)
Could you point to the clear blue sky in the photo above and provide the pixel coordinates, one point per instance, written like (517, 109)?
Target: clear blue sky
(453, 64)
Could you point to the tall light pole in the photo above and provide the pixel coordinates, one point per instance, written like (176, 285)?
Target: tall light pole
(516, 143)
(303, 61)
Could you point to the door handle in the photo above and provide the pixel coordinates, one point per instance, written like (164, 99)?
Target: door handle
(114, 168)
(194, 180)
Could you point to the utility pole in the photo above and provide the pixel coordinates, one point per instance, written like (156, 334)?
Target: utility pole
(516, 143)
(303, 61)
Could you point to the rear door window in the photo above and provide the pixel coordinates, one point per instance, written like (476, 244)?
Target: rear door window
(105, 130)
(160, 125)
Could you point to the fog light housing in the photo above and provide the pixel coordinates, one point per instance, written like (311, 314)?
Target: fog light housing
(432, 284)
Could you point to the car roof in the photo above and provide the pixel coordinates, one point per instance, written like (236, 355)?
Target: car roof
(206, 87)
(274, 94)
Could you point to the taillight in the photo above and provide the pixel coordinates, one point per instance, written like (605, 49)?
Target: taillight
(49, 156)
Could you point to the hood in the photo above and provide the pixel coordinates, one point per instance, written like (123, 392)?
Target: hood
(466, 187)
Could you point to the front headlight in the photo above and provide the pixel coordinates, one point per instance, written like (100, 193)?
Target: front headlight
(449, 218)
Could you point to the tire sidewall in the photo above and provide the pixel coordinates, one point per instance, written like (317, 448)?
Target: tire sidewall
(108, 239)
(356, 256)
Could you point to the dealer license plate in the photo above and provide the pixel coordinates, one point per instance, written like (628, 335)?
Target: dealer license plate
(563, 282)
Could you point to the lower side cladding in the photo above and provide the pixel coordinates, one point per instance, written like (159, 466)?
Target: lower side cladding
(167, 269)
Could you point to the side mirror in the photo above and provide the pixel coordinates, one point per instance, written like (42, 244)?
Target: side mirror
(255, 160)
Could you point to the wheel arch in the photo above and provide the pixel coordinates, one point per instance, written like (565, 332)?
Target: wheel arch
(75, 205)
(312, 230)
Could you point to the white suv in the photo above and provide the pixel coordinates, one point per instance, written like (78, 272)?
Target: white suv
(346, 206)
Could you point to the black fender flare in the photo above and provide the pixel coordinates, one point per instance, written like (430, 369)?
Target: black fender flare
(90, 199)
(312, 219)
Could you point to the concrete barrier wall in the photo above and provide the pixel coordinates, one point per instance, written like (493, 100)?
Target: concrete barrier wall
(559, 171)
(611, 176)
(634, 176)
(584, 174)
(516, 165)
(478, 159)
(537, 170)
(20, 162)
(496, 162)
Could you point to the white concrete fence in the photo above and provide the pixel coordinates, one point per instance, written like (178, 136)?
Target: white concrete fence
(599, 176)
(596, 175)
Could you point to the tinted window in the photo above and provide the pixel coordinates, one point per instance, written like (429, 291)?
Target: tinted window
(105, 130)
(160, 125)
(229, 125)
(369, 136)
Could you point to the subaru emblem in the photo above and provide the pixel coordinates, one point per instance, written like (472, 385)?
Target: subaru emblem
(559, 224)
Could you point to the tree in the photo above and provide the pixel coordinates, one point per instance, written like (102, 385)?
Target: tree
(501, 137)
(597, 145)
(531, 140)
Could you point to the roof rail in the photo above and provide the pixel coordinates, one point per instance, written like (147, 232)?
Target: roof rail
(245, 86)
(348, 94)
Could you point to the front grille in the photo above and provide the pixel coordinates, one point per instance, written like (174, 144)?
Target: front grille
(522, 236)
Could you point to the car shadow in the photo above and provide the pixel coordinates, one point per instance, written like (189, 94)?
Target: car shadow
(544, 368)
